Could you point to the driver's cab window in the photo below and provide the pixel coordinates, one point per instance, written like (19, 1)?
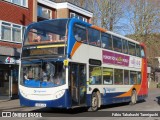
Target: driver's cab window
(47, 74)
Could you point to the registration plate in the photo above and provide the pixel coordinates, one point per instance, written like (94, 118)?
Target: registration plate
(40, 105)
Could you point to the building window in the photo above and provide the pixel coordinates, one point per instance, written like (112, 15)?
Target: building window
(44, 12)
(23, 3)
(11, 32)
(74, 15)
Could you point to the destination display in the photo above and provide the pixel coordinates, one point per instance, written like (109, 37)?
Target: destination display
(95, 62)
(42, 51)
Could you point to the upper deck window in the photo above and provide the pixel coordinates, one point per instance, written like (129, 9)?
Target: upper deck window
(46, 32)
(125, 46)
(106, 41)
(142, 52)
(138, 51)
(94, 37)
(117, 44)
(80, 33)
(132, 48)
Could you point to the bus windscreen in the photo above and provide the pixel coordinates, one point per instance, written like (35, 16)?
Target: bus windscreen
(46, 32)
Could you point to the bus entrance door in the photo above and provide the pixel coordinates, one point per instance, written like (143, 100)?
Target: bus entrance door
(78, 83)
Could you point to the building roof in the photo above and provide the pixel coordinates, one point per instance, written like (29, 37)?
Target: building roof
(66, 5)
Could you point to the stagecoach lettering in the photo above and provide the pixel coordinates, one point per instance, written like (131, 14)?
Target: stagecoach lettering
(109, 89)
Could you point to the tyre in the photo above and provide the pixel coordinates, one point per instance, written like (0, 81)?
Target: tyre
(158, 101)
(94, 102)
(134, 97)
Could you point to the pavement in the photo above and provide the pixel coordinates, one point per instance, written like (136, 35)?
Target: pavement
(13, 105)
(9, 104)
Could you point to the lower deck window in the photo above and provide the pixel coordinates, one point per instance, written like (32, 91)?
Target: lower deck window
(111, 76)
(133, 77)
(118, 76)
(107, 76)
(95, 75)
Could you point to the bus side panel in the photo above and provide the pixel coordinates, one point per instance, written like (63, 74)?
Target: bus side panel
(110, 98)
(63, 102)
(144, 83)
(88, 99)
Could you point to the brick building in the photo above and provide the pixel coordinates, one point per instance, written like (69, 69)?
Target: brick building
(15, 15)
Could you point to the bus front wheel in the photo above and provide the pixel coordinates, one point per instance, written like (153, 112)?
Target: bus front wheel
(94, 102)
(133, 97)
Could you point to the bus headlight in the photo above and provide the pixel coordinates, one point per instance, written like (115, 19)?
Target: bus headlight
(23, 94)
(59, 94)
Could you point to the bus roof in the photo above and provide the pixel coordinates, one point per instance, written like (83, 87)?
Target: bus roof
(92, 26)
(123, 37)
(104, 30)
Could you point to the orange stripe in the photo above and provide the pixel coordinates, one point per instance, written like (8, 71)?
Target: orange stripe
(137, 87)
(98, 28)
(75, 47)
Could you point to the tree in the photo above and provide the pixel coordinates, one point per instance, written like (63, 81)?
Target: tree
(110, 12)
(143, 18)
(106, 13)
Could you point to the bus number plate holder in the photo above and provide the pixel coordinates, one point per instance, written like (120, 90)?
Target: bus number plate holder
(40, 105)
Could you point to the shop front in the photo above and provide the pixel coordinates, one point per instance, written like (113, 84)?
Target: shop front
(8, 77)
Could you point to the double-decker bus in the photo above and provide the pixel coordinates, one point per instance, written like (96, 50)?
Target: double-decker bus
(67, 63)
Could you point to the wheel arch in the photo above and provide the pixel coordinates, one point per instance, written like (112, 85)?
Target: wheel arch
(99, 96)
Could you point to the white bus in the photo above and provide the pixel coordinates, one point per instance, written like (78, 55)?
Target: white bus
(68, 62)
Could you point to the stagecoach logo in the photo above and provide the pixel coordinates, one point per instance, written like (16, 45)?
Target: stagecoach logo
(108, 90)
(10, 60)
(39, 91)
